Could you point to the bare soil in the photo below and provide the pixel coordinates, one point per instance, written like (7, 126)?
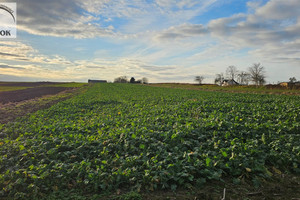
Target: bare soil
(27, 84)
(11, 111)
(30, 93)
(283, 187)
(279, 187)
(18, 103)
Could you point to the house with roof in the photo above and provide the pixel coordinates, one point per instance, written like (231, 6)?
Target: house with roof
(290, 84)
(228, 82)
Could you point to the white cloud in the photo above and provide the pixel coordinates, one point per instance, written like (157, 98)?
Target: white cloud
(59, 18)
(90, 19)
(278, 10)
(254, 5)
(157, 38)
(181, 32)
(267, 30)
(21, 52)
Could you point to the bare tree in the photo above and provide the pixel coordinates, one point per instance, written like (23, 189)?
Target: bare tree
(199, 79)
(219, 78)
(121, 79)
(243, 78)
(257, 74)
(231, 71)
(293, 80)
(145, 80)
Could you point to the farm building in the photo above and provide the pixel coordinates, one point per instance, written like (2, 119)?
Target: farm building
(284, 84)
(290, 84)
(229, 82)
(97, 81)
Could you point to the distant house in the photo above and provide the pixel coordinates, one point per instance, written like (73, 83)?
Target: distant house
(289, 84)
(284, 84)
(97, 81)
(227, 82)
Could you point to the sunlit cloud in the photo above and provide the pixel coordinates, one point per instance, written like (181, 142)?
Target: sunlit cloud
(165, 40)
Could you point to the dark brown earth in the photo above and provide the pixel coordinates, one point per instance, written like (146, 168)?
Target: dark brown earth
(42, 95)
(11, 111)
(30, 93)
(27, 84)
(283, 187)
(280, 187)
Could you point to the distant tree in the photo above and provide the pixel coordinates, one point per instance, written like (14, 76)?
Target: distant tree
(219, 79)
(231, 72)
(243, 78)
(293, 80)
(121, 79)
(145, 80)
(261, 80)
(257, 74)
(199, 79)
(132, 80)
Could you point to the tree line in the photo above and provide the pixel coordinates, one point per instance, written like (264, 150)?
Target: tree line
(124, 79)
(256, 74)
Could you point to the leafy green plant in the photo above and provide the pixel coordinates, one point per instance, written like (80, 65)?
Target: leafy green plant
(146, 138)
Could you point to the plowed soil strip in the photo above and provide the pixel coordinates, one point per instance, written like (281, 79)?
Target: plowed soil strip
(21, 103)
(27, 94)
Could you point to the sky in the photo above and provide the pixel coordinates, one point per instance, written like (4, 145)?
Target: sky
(162, 40)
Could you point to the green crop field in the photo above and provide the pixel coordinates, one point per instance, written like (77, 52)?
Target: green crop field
(142, 138)
(265, 89)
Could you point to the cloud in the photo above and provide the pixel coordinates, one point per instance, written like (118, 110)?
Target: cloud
(275, 21)
(95, 67)
(272, 31)
(157, 38)
(105, 18)
(9, 55)
(4, 66)
(267, 25)
(182, 31)
(278, 10)
(287, 52)
(155, 68)
(261, 35)
(185, 4)
(13, 50)
(59, 18)
(253, 5)
(21, 52)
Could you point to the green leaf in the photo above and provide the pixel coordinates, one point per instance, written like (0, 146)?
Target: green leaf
(104, 161)
(208, 161)
(173, 187)
(224, 154)
(31, 167)
(21, 147)
(173, 136)
(263, 138)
